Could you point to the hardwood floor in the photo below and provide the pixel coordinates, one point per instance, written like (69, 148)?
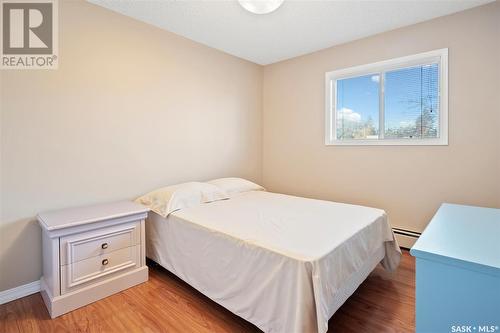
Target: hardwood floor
(385, 302)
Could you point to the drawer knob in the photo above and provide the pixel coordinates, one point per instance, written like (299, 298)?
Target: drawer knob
(105, 262)
(104, 245)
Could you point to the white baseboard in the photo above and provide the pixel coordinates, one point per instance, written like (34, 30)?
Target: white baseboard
(405, 241)
(18, 292)
(406, 238)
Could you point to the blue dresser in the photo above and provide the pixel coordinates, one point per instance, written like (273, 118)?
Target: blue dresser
(458, 271)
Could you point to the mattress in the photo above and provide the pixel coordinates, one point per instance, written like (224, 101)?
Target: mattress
(284, 263)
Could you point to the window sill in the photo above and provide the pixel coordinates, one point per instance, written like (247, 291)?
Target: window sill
(389, 142)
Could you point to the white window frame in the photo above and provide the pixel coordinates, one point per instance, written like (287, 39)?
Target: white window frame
(437, 56)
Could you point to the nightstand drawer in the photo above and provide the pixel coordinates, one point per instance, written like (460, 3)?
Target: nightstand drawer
(93, 243)
(92, 270)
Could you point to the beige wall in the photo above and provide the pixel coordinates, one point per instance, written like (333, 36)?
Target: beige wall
(130, 108)
(408, 182)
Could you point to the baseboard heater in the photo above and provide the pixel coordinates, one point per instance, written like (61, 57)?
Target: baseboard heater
(406, 238)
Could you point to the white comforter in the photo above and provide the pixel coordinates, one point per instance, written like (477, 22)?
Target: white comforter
(280, 262)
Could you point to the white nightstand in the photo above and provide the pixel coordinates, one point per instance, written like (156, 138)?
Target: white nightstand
(90, 253)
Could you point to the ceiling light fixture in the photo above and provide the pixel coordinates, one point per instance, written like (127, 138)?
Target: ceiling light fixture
(261, 6)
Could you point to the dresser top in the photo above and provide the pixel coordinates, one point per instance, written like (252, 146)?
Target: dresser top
(71, 217)
(468, 235)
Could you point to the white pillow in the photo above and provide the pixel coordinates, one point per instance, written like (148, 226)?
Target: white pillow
(234, 185)
(171, 198)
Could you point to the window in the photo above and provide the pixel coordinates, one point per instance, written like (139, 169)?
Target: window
(400, 101)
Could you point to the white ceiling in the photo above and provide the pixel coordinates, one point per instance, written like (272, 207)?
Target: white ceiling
(296, 28)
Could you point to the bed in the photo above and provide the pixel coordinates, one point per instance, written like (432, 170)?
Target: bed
(283, 263)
